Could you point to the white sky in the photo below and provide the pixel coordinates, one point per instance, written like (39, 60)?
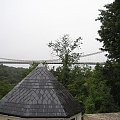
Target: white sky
(27, 26)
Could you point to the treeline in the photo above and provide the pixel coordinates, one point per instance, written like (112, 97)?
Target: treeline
(9, 77)
(96, 89)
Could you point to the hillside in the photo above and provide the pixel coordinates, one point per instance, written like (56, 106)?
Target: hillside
(9, 77)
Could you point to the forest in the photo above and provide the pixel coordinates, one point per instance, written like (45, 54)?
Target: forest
(93, 88)
(98, 88)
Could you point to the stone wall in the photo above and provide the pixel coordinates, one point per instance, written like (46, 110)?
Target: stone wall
(102, 116)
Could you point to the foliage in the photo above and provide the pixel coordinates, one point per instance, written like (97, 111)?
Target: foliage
(112, 75)
(4, 88)
(65, 49)
(28, 70)
(9, 77)
(110, 36)
(110, 30)
(90, 88)
(10, 74)
(77, 83)
(99, 98)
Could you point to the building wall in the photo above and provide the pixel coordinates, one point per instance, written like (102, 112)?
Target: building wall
(102, 116)
(6, 117)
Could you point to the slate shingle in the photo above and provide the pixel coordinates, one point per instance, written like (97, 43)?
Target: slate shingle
(39, 95)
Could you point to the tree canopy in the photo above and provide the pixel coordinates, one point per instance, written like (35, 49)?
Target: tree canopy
(88, 86)
(110, 30)
(65, 48)
(110, 36)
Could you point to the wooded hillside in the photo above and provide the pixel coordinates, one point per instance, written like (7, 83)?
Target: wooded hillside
(9, 77)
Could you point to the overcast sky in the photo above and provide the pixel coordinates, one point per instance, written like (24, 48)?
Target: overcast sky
(27, 26)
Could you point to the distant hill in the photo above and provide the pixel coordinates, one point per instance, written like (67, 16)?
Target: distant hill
(9, 77)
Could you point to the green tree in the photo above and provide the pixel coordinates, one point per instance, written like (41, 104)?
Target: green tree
(4, 88)
(111, 73)
(99, 98)
(28, 70)
(65, 49)
(110, 36)
(77, 83)
(110, 30)
(9, 77)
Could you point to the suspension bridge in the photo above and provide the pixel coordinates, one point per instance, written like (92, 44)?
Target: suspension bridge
(84, 59)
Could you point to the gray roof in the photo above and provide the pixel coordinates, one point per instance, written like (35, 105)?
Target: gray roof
(39, 95)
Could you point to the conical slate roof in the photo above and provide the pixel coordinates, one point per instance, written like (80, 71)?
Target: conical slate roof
(39, 95)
